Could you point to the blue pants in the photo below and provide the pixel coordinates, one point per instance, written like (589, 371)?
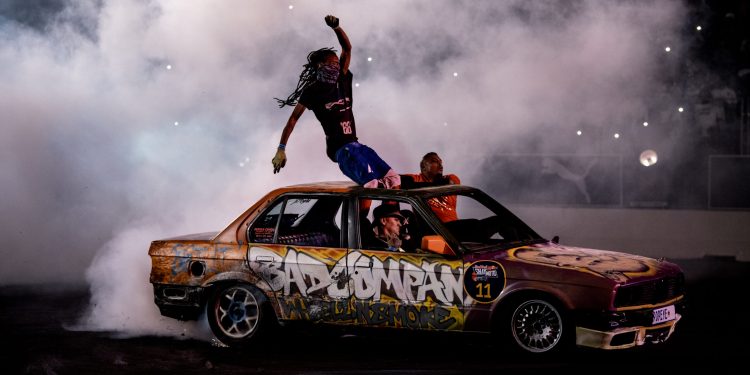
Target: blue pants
(361, 163)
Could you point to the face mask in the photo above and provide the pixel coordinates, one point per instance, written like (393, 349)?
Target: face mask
(328, 73)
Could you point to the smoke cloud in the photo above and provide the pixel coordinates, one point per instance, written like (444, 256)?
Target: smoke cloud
(129, 121)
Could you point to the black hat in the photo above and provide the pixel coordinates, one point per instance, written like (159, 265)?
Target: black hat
(387, 210)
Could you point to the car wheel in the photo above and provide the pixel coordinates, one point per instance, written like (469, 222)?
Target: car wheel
(235, 313)
(537, 326)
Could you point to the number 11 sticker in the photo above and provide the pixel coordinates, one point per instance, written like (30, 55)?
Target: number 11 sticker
(484, 280)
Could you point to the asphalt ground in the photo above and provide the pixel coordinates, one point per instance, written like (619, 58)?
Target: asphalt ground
(713, 337)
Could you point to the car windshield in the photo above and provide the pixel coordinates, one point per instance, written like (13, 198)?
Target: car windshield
(477, 221)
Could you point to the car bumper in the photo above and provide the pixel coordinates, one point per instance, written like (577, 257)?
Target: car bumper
(626, 337)
(179, 301)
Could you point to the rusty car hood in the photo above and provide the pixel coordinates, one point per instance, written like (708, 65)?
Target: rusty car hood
(615, 266)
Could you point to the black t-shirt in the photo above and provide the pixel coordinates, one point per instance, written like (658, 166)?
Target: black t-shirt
(332, 105)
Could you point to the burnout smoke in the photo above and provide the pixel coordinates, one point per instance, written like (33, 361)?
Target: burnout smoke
(126, 121)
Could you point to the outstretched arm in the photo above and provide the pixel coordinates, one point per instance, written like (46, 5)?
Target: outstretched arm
(279, 160)
(346, 46)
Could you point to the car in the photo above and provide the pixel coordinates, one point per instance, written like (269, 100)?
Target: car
(303, 253)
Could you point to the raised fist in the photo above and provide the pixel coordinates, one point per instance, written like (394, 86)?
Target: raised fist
(332, 21)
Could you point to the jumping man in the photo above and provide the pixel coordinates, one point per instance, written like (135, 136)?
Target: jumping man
(325, 87)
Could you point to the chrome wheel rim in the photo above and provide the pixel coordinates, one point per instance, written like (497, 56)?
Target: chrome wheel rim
(237, 312)
(537, 326)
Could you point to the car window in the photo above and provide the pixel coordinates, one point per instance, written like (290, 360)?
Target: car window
(374, 234)
(482, 221)
(297, 208)
(305, 221)
(264, 227)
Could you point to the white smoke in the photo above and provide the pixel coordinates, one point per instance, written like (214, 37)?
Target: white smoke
(128, 121)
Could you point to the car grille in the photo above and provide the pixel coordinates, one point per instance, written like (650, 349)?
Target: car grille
(650, 292)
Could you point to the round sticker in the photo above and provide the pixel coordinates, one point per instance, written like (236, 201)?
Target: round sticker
(484, 280)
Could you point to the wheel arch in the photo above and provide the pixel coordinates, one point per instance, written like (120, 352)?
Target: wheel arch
(221, 280)
(504, 309)
(521, 290)
(237, 314)
(235, 276)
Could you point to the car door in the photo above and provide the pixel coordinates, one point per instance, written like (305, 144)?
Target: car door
(412, 288)
(296, 247)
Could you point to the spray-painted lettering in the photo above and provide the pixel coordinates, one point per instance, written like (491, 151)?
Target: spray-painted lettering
(371, 313)
(358, 275)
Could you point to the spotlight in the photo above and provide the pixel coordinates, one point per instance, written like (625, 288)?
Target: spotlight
(369, 59)
(579, 132)
(356, 85)
(169, 67)
(648, 158)
(680, 109)
(617, 135)
(291, 7)
(645, 123)
(668, 49)
(699, 28)
(455, 74)
(176, 123)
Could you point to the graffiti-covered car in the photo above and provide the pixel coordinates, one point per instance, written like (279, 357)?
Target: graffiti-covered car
(307, 253)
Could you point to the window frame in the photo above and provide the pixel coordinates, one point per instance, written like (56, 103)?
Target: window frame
(493, 205)
(283, 199)
(418, 206)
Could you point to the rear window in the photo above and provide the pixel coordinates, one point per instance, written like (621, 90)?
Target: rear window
(300, 221)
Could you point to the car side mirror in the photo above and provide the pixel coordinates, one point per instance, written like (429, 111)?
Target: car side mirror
(436, 244)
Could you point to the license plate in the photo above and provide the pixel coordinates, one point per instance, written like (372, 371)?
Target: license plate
(663, 314)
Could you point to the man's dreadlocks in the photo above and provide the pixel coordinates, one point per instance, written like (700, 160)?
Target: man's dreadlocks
(308, 75)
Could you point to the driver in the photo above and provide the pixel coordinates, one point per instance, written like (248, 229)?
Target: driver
(387, 227)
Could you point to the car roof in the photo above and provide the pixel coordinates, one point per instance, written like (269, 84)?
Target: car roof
(351, 187)
(230, 233)
(323, 186)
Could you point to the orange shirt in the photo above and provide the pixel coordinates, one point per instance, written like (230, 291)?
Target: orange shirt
(444, 207)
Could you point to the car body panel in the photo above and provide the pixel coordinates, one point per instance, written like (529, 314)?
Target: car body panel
(610, 295)
(375, 288)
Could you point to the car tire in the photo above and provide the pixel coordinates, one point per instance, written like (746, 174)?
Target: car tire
(237, 313)
(536, 326)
